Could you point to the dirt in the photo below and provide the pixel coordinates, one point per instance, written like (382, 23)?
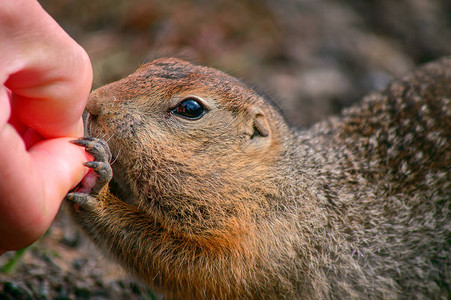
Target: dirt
(312, 57)
(64, 265)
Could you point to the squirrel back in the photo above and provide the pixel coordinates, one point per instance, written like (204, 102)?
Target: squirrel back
(382, 171)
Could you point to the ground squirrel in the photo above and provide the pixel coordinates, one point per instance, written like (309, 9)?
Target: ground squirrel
(214, 196)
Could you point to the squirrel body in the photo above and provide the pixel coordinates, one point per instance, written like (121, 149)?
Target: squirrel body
(233, 203)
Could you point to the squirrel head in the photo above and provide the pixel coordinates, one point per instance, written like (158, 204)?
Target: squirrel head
(192, 145)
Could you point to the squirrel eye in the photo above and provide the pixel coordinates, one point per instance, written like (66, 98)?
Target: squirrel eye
(189, 108)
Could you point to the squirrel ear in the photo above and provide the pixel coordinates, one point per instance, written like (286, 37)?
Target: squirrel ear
(260, 126)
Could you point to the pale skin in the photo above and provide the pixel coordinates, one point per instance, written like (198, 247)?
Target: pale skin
(46, 78)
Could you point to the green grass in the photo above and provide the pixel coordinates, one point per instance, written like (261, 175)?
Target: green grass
(12, 263)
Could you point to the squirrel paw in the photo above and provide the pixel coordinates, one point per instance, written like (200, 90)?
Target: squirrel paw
(85, 194)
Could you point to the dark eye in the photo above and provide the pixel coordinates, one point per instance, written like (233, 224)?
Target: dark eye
(189, 108)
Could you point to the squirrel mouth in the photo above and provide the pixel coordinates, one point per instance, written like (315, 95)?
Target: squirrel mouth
(117, 187)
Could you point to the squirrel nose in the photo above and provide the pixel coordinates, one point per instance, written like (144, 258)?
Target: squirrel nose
(94, 103)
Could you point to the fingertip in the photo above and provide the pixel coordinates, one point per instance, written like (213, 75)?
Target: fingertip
(61, 162)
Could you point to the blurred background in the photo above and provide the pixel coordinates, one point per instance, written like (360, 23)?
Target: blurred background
(313, 57)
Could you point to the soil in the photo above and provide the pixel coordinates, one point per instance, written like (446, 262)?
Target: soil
(63, 265)
(312, 57)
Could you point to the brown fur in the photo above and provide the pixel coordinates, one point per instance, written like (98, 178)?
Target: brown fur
(239, 205)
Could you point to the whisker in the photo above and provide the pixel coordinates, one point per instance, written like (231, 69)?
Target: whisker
(108, 140)
(102, 137)
(117, 154)
(119, 149)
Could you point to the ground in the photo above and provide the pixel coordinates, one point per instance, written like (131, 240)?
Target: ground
(312, 57)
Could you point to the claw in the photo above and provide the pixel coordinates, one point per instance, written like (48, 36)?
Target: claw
(81, 200)
(70, 196)
(96, 147)
(104, 175)
(95, 165)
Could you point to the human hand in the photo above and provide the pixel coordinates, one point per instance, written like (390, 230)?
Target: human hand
(46, 78)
